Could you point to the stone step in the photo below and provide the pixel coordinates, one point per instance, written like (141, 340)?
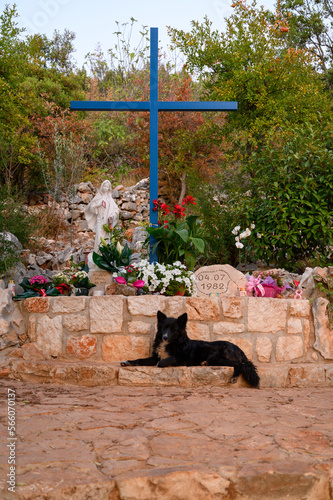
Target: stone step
(92, 374)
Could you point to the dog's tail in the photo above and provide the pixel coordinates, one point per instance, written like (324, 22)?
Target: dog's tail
(250, 374)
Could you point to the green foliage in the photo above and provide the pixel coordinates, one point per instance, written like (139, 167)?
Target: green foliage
(310, 25)
(252, 63)
(292, 198)
(16, 221)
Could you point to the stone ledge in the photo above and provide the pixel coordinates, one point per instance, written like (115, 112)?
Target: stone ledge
(91, 374)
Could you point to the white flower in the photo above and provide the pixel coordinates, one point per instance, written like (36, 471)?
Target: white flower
(236, 230)
(237, 238)
(252, 226)
(259, 235)
(239, 245)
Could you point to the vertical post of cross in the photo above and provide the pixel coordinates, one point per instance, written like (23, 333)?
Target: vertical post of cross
(153, 133)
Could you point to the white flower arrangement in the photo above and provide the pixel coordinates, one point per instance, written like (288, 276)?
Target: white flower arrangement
(242, 236)
(166, 279)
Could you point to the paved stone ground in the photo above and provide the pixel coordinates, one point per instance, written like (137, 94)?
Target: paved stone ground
(144, 443)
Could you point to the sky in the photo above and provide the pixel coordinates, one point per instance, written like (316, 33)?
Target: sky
(93, 21)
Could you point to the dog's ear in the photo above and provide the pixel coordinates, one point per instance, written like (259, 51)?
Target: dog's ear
(160, 317)
(182, 320)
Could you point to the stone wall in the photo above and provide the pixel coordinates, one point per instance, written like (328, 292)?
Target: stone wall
(114, 328)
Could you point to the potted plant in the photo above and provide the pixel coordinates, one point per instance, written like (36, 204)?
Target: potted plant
(81, 283)
(168, 279)
(61, 281)
(179, 237)
(37, 286)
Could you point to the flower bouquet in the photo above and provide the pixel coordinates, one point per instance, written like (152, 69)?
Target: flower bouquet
(168, 279)
(129, 276)
(80, 281)
(37, 286)
(265, 284)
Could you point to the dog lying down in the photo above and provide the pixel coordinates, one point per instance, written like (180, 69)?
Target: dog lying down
(172, 347)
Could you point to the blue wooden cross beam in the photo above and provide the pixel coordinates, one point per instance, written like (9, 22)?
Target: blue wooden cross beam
(153, 106)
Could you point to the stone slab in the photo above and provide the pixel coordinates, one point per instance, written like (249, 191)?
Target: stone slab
(169, 443)
(222, 279)
(273, 375)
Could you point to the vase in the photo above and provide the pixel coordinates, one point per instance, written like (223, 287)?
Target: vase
(81, 291)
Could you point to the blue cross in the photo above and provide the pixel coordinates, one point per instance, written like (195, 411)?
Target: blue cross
(153, 106)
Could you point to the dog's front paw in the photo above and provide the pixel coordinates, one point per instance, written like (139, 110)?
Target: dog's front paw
(125, 363)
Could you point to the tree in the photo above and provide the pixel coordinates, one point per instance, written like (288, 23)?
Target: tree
(252, 63)
(311, 27)
(269, 169)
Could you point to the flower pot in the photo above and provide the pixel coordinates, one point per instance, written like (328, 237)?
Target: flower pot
(181, 292)
(81, 291)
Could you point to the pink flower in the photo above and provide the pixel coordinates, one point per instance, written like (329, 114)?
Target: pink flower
(138, 284)
(121, 280)
(39, 280)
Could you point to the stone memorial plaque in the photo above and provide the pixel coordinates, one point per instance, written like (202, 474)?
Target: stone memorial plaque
(222, 279)
(101, 279)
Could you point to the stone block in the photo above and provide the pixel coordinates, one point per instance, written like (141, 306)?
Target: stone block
(49, 335)
(198, 331)
(194, 485)
(288, 348)
(154, 376)
(245, 344)
(32, 328)
(225, 328)
(82, 347)
(67, 305)
(266, 315)
(146, 305)
(263, 349)
(76, 322)
(233, 307)
(139, 327)
(106, 314)
(203, 308)
(306, 376)
(300, 308)
(273, 375)
(323, 334)
(294, 325)
(123, 347)
(37, 304)
(175, 306)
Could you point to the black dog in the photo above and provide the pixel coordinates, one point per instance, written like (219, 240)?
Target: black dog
(172, 347)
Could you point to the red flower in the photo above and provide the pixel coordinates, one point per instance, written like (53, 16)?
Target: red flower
(155, 202)
(189, 199)
(179, 211)
(165, 208)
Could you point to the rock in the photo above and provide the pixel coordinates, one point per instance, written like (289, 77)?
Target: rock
(82, 226)
(85, 187)
(126, 215)
(12, 238)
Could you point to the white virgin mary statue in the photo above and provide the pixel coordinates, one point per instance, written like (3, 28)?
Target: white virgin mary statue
(102, 210)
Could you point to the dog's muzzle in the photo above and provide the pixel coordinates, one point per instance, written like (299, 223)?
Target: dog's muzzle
(165, 336)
